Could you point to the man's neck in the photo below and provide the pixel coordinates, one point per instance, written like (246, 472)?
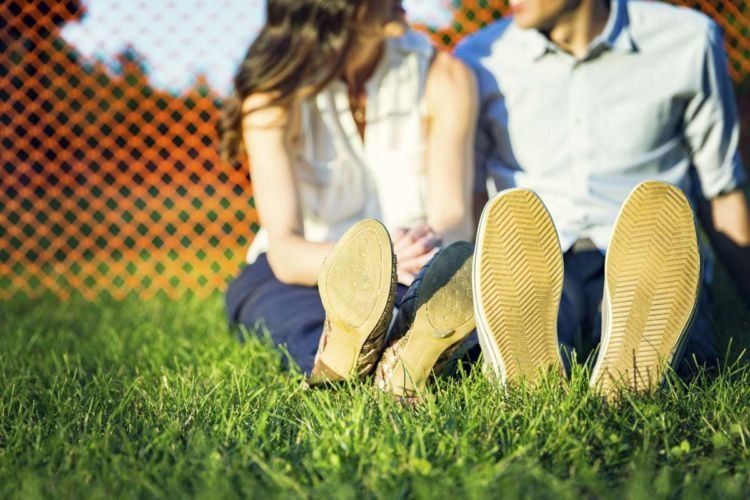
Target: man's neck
(576, 29)
(361, 62)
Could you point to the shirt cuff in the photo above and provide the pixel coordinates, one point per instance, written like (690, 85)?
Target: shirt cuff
(727, 181)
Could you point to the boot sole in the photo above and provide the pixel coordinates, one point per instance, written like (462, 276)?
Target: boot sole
(652, 281)
(357, 288)
(518, 280)
(444, 318)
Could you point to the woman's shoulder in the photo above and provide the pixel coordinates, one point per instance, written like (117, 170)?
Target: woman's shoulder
(443, 65)
(261, 109)
(448, 73)
(449, 76)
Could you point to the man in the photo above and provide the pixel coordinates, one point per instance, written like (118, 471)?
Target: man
(581, 101)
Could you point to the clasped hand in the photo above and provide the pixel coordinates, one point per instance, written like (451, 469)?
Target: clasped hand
(414, 248)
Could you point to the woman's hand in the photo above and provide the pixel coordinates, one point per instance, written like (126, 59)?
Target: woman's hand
(414, 248)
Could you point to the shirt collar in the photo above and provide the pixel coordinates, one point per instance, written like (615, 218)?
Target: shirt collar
(617, 34)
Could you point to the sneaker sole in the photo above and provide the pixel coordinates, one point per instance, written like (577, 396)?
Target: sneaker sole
(357, 288)
(518, 279)
(652, 281)
(444, 318)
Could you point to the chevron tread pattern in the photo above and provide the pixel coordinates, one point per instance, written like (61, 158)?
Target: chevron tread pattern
(652, 282)
(520, 284)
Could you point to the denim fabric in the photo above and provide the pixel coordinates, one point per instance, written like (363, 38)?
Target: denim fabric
(580, 322)
(408, 307)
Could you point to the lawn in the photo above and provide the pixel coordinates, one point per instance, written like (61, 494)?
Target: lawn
(154, 398)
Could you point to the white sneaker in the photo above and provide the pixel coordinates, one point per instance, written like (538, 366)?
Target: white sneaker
(517, 280)
(651, 287)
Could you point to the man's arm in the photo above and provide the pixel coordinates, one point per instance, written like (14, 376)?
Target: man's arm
(726, 220)
(712, 134)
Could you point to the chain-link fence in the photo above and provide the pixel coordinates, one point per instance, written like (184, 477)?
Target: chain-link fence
(110, 179)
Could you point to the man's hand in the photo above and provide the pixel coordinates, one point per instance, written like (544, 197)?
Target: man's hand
(414, 248)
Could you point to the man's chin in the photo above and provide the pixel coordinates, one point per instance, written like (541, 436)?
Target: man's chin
(524, 22)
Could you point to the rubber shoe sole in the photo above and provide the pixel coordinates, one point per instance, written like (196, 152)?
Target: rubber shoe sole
(444, 318)
(357, 286)
(517, 280)
(652, 281)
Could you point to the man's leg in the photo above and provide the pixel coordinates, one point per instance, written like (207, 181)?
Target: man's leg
(584, 280)
(432, 326)
(579, 323)
(652, 279)
(701, 349)
(700, 345)
(518, 281)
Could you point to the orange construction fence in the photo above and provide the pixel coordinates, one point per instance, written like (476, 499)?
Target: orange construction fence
(110, 184)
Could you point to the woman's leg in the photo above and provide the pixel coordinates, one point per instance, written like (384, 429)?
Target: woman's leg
(292, 315)
(431, 328)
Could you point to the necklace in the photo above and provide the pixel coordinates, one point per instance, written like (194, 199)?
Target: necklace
(358, 110)
(359, 116)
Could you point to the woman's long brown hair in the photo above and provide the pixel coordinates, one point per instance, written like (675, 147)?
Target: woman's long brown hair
(301, 48)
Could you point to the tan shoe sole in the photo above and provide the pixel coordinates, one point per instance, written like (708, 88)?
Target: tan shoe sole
(652, 280)
(518, 279)
(357, 288)
(444, 318)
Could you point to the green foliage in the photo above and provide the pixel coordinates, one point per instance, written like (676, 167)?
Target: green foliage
(155, 399)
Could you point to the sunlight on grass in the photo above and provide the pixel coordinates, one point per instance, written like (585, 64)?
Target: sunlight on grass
(155, 398)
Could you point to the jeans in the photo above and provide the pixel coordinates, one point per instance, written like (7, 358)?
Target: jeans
(580, 321)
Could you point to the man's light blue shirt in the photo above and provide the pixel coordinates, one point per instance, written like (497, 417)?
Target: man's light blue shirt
(651, 100)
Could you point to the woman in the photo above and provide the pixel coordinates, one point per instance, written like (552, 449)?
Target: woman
(346, 115)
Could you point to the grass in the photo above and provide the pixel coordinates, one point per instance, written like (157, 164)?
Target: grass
(155, 399)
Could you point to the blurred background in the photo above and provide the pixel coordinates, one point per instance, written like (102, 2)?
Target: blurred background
(110, 179)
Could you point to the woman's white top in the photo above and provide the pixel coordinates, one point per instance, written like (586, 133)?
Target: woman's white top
(342, 179)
